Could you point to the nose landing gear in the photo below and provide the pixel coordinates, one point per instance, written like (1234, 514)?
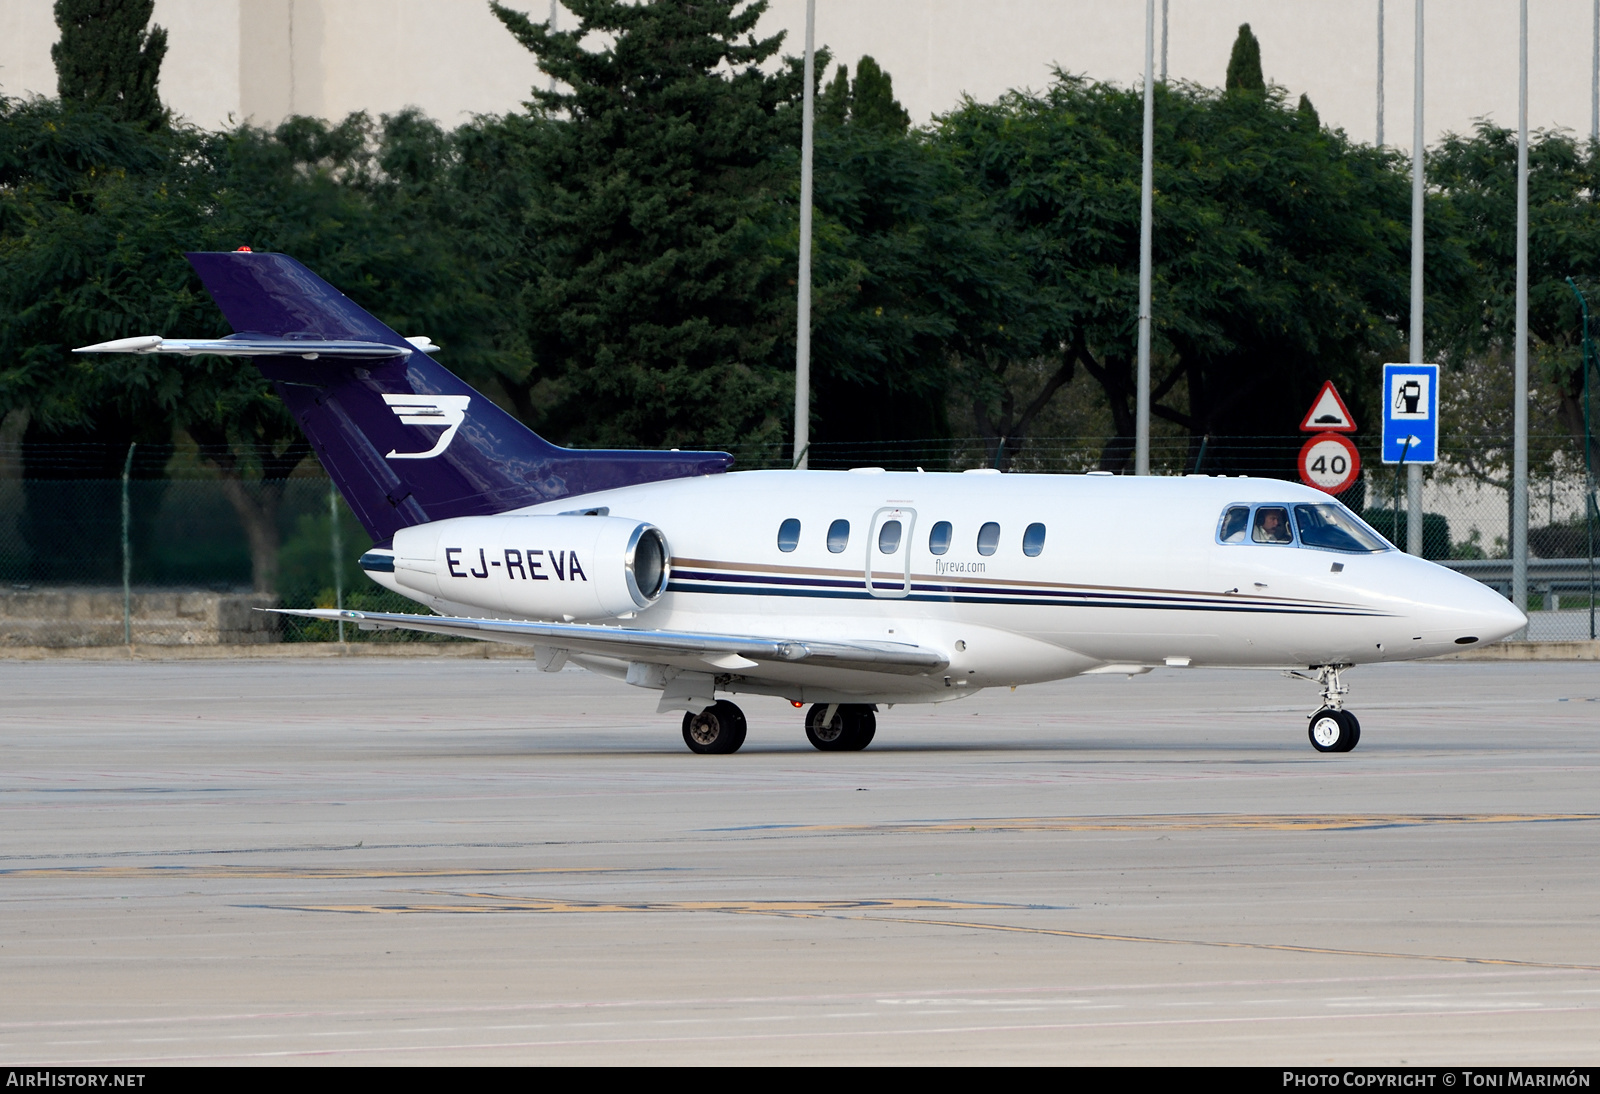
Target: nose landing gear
(1332, 728)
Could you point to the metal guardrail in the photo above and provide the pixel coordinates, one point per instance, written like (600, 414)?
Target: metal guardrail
(1565, 572)
(1549, 578)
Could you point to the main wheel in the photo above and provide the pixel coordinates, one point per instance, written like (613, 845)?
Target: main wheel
(866, 729)
(1333, 730)
(851, 729)
(716, 730)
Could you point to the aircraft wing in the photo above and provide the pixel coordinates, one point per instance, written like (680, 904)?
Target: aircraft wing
(730, 653)
(236, 345)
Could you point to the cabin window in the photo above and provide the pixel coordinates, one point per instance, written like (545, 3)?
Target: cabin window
(1333, 528)
(1272, 525)
(838, 536)
(988, 538)
(939, 538)
(1033, 540)
(788, 535)
(889, 537)
(1235, 522)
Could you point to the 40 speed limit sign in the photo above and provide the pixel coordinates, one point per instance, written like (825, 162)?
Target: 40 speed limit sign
(1330, 462)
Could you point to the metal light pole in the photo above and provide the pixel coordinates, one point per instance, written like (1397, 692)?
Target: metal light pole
(802, 335)
(1164, 39)
(552, 91)
(127, 552)
(1380, 71)
(336, 549)
(1594, 80)
(1141, 450)
(1519, 458)
(1414, 472)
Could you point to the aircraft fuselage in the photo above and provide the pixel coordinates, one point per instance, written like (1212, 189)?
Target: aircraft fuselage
(1015, 579)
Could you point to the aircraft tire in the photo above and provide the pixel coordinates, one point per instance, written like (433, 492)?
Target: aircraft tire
(829, 738)
(1333, 730)
(716, 731)
(851, 730)
(1355, 730)
(865, 727)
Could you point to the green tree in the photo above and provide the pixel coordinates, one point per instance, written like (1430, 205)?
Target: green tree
(1307, 112)
(106, 58)
(95, 216)
(651, 302)
(833, 104)
(918, 291)
(1280, 253)
(1478, 173)
(868, 102)
(873, 102)
(1244, 63)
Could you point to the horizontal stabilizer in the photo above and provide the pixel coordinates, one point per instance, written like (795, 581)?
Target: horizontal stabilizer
(640, 645)
(251, 346)
(405, 440)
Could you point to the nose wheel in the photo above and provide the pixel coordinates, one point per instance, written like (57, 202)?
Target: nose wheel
(1332, 728)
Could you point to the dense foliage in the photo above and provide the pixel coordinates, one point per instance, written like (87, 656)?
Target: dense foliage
(653, 297)
(616, 262)
(106, 58)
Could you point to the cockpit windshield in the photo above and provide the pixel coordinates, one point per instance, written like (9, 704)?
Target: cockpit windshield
(1328, 526)
(1334, 528)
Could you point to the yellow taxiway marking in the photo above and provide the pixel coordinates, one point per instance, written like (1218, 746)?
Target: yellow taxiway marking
(1098, 936)
(315, 873)
(854, 909)
(1168, 822)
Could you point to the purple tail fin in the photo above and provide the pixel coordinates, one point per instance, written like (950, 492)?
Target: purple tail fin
(404, 439)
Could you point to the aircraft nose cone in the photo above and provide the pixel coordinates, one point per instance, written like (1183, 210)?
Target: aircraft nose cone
(1486, 615)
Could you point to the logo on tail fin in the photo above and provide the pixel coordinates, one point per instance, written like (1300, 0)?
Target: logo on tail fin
(448, 411)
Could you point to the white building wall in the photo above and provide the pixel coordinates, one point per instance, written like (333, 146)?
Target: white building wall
(937, 50)
(27, 31)
(264, 59)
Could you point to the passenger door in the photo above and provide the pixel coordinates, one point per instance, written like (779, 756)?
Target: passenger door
(888, 570)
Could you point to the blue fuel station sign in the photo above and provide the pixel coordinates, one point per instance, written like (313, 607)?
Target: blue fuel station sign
(1410, 413)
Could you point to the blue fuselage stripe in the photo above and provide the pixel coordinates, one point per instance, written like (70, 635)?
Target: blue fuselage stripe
(742, 585)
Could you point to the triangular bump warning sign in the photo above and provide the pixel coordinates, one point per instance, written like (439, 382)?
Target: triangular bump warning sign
(1328, 413)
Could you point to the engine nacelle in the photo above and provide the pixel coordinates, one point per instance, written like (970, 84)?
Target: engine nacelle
(537, 567)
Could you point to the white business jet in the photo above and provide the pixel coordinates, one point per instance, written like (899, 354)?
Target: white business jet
(845, 590)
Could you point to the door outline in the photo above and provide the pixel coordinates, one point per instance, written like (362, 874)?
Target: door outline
(908, 523)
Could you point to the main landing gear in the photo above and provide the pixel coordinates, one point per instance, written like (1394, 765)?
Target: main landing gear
(1332, 728)
(716, 730)
(832, 727)
(841, 727)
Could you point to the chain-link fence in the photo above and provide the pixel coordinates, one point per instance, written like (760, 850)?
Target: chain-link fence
(64, 543)
(70, 533)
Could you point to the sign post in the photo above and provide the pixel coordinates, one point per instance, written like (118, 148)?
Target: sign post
(1329, 460)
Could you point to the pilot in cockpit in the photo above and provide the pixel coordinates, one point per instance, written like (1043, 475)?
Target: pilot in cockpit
(1272, 526)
